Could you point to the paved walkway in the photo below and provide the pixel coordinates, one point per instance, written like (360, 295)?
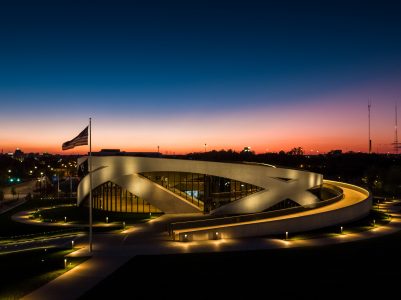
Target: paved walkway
(113, 250)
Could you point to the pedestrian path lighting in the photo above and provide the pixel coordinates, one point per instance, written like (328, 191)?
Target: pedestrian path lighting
(65, 219)
(107, 219)
(72, 244)
(341, 229)
(124, 224)
(374, 222)
(65, 263)
(286, 235)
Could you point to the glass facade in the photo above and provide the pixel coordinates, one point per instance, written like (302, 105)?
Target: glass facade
(206, 191)
(111, 197)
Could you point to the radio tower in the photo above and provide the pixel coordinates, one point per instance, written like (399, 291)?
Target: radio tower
(370, 141)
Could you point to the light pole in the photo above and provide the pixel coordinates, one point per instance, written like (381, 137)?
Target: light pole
(205, 147)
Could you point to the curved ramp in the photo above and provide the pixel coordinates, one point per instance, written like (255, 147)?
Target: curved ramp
(356, 204)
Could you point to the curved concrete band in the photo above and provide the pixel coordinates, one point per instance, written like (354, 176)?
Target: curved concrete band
(356, 204)
(278, 183)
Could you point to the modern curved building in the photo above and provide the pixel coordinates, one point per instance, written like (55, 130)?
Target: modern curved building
(143, 184)
(239, 192)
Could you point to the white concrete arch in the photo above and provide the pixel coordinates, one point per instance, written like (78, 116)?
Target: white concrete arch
(124, 170)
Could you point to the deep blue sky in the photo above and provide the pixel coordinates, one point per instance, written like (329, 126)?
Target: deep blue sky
(149, 59)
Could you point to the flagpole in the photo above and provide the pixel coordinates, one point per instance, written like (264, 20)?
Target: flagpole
(90, 185)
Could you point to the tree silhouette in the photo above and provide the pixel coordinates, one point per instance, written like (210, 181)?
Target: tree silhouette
(296, 151)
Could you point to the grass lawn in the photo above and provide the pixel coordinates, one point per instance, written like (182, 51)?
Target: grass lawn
(23, 272)
(80, 215)
(10, 228)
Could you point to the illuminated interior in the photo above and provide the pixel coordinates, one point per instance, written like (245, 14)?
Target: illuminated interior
(206, 191)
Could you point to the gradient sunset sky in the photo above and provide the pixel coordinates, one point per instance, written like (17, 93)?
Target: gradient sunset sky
(180, 74)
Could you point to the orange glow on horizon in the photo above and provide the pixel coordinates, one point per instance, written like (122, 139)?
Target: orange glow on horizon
(317, 128)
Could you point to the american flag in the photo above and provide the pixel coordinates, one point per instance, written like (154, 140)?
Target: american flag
(80, 140)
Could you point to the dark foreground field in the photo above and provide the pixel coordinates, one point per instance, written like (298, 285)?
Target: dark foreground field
(368, 269)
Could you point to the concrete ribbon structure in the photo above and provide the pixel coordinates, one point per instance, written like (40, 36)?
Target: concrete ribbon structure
(277, 184)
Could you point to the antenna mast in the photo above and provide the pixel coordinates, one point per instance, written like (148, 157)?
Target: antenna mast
(370, 141)
(396, 144)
